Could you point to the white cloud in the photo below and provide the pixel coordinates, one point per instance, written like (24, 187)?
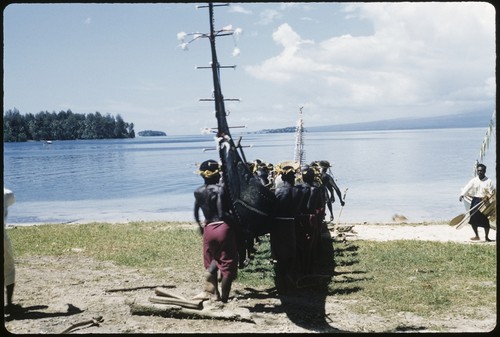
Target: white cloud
(307, 18)
(283, 66)
(301, 6)
(239, 9)
(418, 55)
(268, 16)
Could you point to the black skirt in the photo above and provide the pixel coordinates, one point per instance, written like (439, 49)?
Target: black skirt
(477, 218)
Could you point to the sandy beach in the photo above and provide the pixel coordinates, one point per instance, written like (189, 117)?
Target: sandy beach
(430, 232)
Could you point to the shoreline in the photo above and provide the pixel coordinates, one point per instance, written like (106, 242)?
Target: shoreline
(186, 221)
(373, 231)
(179, 209)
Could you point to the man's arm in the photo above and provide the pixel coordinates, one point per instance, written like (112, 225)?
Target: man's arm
(492, 187)
(337, 190)
(197, 210)
(466, 189)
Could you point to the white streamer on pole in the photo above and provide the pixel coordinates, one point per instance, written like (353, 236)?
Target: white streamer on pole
(486, 141)
(299, 154)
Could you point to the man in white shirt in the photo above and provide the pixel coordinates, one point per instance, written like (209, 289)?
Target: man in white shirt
(478, 188)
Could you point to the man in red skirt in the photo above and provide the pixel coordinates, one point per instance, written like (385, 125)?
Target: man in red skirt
(220, 252)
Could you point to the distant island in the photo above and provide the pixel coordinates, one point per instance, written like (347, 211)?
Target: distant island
(151, 133)
(463, 120)
(289, 129)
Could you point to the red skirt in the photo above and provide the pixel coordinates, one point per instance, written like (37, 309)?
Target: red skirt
(219, 245)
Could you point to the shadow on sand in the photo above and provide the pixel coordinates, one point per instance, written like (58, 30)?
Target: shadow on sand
(33, 312)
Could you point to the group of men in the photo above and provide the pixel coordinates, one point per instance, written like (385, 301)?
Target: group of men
(270, 176)
(302, 196)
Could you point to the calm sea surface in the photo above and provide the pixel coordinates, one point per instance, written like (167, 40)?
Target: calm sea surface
(416, 173)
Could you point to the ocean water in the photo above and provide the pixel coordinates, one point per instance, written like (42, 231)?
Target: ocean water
(415, 173)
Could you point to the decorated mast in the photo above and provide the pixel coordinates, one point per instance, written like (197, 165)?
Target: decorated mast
(252, 203)
(299, 154)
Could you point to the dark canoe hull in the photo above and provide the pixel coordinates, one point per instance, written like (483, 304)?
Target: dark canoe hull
(253, 203)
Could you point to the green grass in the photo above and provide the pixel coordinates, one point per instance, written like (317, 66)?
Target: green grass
(259, 273)
(422, 277)
(136, 244)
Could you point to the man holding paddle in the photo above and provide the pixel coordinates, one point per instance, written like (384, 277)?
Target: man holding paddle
(478, 188)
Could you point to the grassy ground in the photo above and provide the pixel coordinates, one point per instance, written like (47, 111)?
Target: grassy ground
(420, 277)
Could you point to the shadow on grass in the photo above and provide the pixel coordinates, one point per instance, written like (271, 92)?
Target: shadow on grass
(303, 300)
(305, 304)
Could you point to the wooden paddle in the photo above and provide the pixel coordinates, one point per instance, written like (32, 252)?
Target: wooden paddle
(340, 212)
(467, 216)
(456, 220)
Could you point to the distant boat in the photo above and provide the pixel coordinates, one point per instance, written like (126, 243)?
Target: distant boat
(47, 142)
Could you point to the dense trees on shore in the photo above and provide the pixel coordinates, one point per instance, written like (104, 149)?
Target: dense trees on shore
(64, 125)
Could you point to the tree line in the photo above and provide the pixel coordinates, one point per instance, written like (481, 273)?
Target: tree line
(64, 125)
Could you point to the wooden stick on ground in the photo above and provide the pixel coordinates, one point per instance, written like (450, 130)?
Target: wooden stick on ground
(164, 292)
(93, 321)
(176, 301)
(135, 288)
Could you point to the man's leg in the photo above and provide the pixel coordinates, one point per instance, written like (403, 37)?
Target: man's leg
(10, 293)
(211, 290)
(11, 308)
(225, 288)
(486, 232)
(330, 208)
(211, 285)
(474, 228)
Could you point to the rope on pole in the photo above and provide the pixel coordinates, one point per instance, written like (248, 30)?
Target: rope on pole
(486, 141)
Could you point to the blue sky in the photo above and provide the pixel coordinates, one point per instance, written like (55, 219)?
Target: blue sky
(343, 62)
